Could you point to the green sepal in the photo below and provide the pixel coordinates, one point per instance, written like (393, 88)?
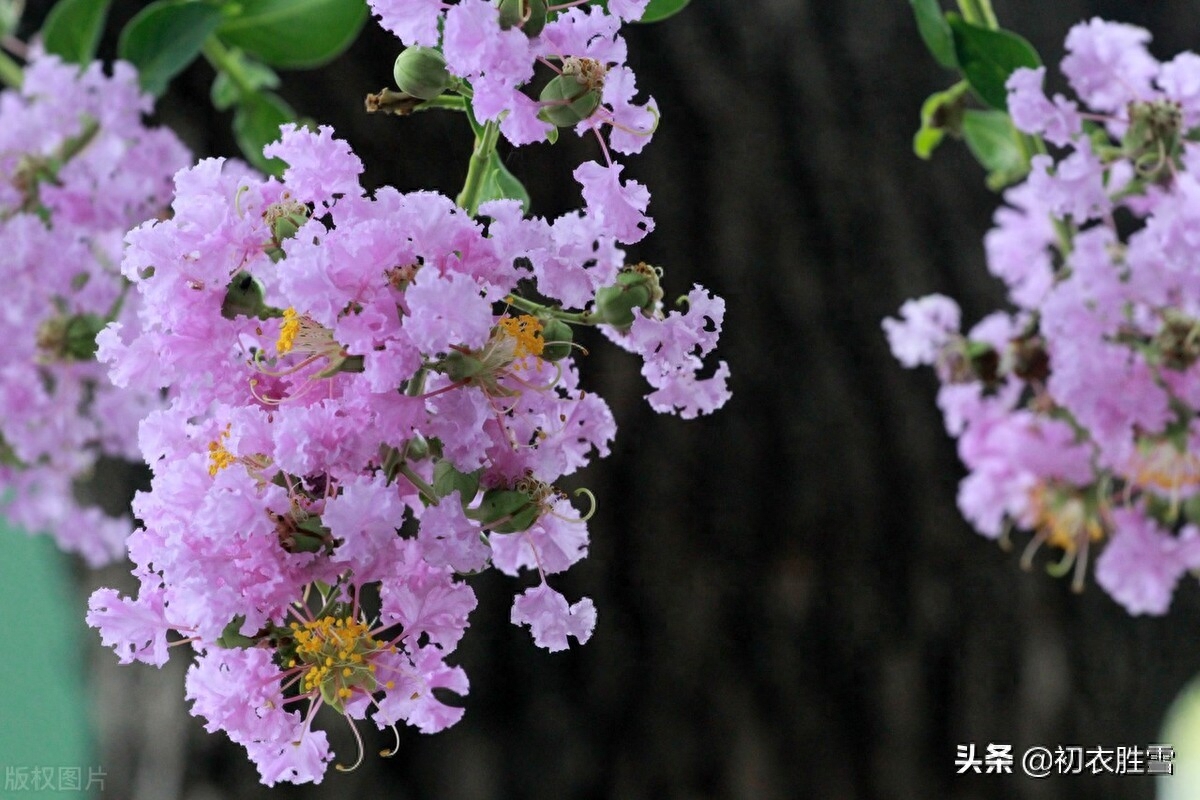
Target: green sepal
(72, 29)
(232, 637)
(506, 511)
(344, 364)
(460, 366)
(309, 536)
(447, 478)
(988, 57)
(996, 145)
(292, 34)
(164, 37)
(500, 184)
(935, 31)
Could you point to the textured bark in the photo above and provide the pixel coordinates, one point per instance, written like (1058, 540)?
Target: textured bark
(790, 605)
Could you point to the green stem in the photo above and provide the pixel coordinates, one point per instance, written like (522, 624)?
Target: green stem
(224, 61)
(451, 102)
(10, 71)
(979, 12)
(530, 307)
(416, 480)
(486, 137)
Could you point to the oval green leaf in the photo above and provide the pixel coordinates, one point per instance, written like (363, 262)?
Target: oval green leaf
(293, 34)
(72, 29)
(256, 124)
(658, 10)
(988, 57)
(935, 31)
(996, 145)
(164, 38)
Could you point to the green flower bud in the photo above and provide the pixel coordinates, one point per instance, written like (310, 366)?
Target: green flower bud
(557, 336)
(421, 72)
(637, 287)
(566, 101)
(528, 15)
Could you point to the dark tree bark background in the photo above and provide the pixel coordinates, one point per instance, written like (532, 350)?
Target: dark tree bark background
(790, 605)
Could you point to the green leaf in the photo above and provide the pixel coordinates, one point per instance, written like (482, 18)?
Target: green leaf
(658, 10)
(164, 38)
(500, 184)
(941, 112)
(72, 29)
(988, 57)
(996, 144)
(225, 91)
(293, 34)
(256, 124)
(935, 31)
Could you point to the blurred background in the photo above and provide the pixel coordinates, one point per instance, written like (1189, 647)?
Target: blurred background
(790, 605)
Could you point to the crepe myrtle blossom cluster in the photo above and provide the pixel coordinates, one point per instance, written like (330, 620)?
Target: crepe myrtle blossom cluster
(369, 401)
(81, 169)
(490, 52)
(1076, 414)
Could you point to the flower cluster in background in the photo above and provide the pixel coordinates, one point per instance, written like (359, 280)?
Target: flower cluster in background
(82, 169)
(370, 398)
(1076, 414)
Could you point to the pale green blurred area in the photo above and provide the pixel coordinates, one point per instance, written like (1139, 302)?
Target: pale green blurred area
(44, 719)
(1182, 730)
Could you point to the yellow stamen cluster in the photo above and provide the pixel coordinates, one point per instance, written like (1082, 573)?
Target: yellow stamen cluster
(337, 652)
(526, 333)
(1161, 465)
(287, 333)
(218, 457)
(1064, 519)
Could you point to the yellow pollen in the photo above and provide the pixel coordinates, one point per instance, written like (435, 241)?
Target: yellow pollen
(218, 457)
(287, 333)
(332, 650)
(526, 331)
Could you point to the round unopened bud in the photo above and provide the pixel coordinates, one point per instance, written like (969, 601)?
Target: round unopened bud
(557, 336)
(528, 15)
(636, 288)
(421, 72)
(566, 101)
